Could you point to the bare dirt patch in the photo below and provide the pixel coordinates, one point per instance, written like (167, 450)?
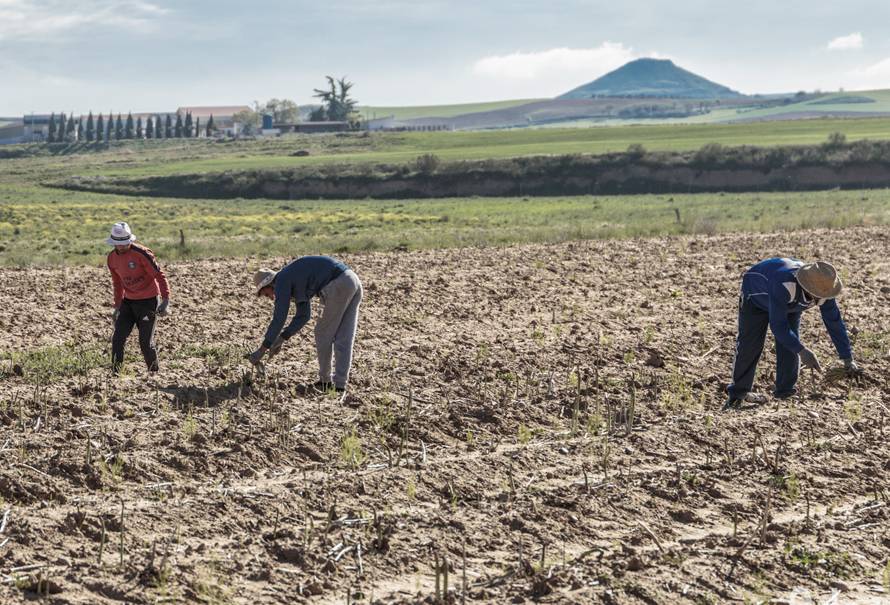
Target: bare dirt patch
(542, 420)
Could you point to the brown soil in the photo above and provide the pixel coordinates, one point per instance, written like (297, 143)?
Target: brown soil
(517, 448)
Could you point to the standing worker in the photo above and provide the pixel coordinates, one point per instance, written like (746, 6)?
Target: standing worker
(340, 292)
(774, 294)
(138, 280)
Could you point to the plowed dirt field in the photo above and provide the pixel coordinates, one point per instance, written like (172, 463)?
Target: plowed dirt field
(543, 421)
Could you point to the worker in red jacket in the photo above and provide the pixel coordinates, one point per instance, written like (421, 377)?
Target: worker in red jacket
(138, 280)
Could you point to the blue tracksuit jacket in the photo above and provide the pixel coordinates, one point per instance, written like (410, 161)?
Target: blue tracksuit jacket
(772, 286)
(299, 281)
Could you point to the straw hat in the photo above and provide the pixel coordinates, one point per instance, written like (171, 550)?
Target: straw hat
(820, 279)
(120, 235)
(263, 278)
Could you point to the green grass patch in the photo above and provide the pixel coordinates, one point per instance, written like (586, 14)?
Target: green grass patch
(72, 226)
(56, 361)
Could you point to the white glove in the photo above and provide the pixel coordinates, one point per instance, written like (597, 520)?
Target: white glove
(808, 360)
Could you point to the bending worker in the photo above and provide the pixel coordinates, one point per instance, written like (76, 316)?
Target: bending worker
(774, 294)
(138, 280)
(340, 292)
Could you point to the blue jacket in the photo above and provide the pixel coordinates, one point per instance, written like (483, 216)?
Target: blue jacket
(299, 281)
(771, 285)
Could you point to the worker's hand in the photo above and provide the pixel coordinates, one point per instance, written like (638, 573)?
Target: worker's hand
(808, 360)
(115, 314)
(852, 369)
(163, 308)
(275, 349)
(257, 356)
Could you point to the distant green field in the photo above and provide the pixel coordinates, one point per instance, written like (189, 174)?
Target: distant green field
(823, 105)
(438, 111)
(147, 158)
(71, 226)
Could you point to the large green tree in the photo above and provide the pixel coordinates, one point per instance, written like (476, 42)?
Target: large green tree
(91, 127)
(149, 127)
(336, 104)
(100, 127)
(283, 111)
(177, 131)
(119, 128)
(128, 129)
(168, 128)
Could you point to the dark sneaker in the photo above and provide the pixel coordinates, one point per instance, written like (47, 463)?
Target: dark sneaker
(733, 403)
(323, 386)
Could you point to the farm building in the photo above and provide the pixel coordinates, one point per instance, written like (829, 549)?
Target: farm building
(223, 116)
(314, 127)
(390, 123)
(36, 126)
(12, 133)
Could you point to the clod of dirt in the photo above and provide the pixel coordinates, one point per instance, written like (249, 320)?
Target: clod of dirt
(655, 359)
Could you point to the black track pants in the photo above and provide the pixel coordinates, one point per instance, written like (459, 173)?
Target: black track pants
(142, 314)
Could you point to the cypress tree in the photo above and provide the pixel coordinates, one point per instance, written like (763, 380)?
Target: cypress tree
(197, 127)
(60, 131)
(188, 124)
(100, 128)
(168, 129)
(80, 129)
(210, 126)
(109, 126)
(149, 127)
(139, 133)
(119, 128)
(51, 133)
(71, 129)
(178, 130)
(91, 128)
(128, 129)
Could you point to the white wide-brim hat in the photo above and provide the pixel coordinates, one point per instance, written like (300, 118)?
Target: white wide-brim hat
(263, 278)
(121, 235)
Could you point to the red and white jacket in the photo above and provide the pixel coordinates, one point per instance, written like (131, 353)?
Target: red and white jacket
(136, 275)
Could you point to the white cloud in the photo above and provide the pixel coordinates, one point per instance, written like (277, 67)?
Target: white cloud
(550, 72)
(874, 76)
(853, 41)
(576, 61)
(45, 20)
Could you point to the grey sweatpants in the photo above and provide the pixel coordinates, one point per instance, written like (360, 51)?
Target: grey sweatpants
(335, 327)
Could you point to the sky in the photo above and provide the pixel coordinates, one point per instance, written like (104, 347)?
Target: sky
(157, 55)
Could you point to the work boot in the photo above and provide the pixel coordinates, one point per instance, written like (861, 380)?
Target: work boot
(733, 403)
(323, 386)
